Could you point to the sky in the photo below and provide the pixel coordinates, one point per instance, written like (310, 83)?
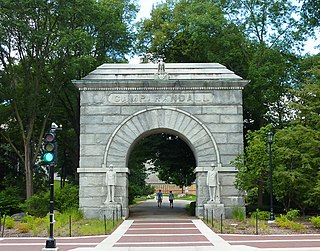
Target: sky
(145, 9)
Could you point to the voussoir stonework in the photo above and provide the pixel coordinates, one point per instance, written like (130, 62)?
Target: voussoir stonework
(159, 119)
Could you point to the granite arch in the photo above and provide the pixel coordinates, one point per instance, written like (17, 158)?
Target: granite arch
(120, 103)
(187, 126)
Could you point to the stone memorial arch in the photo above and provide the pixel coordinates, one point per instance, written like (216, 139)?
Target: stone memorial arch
(122, 103)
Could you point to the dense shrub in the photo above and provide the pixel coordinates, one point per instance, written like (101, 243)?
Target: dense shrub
(10, 201)
(24, 228)
(262, 215)
(67, 198)
(38, 204)
(293, 214)
(64, 199)
(135, 190)
(283, 222)
(9, 222)
(192, 208)
(315, 220)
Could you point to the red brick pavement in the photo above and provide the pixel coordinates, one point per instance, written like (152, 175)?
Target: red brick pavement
(162, 233)
(274, 241)
(36, 244)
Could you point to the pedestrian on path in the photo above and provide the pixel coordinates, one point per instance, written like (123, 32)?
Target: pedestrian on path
(159, 198)
(171, 196)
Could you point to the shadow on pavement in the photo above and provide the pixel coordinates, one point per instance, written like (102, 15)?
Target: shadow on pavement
(149, 210)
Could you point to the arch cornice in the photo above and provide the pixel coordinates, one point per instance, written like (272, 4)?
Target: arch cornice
(185, 124)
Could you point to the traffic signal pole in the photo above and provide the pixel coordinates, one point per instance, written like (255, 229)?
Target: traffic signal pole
(50, 158)
(51, 242)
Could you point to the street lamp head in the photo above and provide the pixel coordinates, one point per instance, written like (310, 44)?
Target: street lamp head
(270, 137)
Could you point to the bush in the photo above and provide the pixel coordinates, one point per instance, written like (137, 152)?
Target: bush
(315, 220)
(9, 222)
(24, 228)
(238, 213)
(283, 222)
(192, 208)
(262, 215)
(38, 204)
(10, 201)
(293, 214)
(65, 199)
(135, 190)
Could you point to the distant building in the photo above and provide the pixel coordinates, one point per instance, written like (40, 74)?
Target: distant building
(155, 182)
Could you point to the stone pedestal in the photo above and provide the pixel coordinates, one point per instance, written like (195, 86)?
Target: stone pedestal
(213, 210)
(111, 210)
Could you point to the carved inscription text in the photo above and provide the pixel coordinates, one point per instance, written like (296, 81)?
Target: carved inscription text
(181, 98)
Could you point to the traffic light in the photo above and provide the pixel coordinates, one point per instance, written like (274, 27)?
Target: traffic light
(49, 148)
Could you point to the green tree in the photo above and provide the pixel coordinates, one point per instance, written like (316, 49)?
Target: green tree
(255, 39)
(43, 46)
(311, 13)
(253, 166)
(296, 161)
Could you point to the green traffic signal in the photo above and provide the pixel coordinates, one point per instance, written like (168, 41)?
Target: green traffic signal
(48, 157)
(49, 148)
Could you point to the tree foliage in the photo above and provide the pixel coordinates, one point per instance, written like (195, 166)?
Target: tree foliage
(253, 166)
(43, 46)
(255, 39)
(296, 155)
(296, 159)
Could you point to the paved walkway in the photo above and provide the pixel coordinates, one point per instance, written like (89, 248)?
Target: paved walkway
(150, 228)
(146, 235)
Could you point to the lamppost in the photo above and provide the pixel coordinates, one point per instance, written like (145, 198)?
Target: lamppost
(270, 141)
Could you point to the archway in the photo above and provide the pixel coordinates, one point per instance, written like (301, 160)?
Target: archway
(147, 121)
(120, 103)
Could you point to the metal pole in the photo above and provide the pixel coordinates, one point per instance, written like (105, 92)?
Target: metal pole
(70, 225)
(221, 224)
(257, 224)
(105, 224)
(212, 218)
(113, 218)
(271, 190)
(4, 223)
(207, 216)
(51, 242)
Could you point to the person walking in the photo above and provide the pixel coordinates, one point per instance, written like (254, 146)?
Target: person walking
(159, 198)
(171, 196)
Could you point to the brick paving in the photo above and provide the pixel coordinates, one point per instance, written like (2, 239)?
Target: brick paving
(275, 241)
(162, 233)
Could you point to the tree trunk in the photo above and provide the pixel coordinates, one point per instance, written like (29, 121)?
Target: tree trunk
(260, 194)
(28, 170)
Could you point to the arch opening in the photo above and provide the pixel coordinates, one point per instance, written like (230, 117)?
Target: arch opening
(161, 160)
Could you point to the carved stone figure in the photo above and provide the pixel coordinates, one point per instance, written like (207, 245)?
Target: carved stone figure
(111, 182)
(213, 184)
(161, 74)
(161, 66)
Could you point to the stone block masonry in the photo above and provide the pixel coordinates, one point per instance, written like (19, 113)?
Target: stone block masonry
(122, 103)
